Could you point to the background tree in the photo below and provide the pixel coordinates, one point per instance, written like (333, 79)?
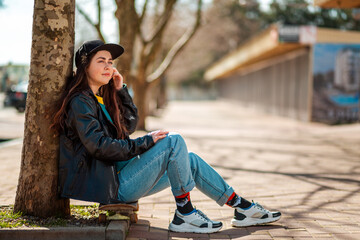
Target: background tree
(226, 24)
(51, 55)
(141, 32)
(301, 12)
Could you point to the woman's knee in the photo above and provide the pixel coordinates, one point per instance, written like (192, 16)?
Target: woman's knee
(194, 160)
(177, 139)
(175, 135)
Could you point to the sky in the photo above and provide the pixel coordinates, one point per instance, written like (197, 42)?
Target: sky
(15, 31)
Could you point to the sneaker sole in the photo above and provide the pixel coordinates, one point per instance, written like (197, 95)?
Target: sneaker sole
(185, 227)
(237, 223)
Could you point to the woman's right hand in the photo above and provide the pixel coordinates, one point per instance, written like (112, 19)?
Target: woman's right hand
(159, 134)
(118, 79)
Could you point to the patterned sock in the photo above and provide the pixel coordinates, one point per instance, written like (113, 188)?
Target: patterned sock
(183, 204)
(237, 201)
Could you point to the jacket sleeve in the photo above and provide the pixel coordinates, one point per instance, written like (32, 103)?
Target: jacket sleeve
(84, 121)
(130, 111)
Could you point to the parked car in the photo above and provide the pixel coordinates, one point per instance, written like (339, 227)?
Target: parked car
(16, 96)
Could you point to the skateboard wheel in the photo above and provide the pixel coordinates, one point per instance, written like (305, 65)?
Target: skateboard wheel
(102, 217)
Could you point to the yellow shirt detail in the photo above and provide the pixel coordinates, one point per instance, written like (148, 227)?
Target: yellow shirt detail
(100, 99)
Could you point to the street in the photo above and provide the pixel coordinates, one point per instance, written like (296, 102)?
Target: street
(308, 171)
(11, 122)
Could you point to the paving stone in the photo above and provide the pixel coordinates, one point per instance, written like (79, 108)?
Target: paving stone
(323, 236)
(347, 236)
(135, 227)
(189, 235)
(308, 171)
(219, 236)
(147, 235)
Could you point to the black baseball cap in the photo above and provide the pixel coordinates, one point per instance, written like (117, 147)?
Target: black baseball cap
(81, 55)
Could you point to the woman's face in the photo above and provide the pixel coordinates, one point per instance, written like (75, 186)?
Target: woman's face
(100, 70)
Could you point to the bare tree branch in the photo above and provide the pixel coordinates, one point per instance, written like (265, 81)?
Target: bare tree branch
(164, 19)
(177, 47)
(152, 47)
(99, 13)
(88, 19)
(140, 21)
(143, 12)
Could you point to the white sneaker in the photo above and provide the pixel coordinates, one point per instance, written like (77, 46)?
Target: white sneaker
(196, 222)
(254, 215)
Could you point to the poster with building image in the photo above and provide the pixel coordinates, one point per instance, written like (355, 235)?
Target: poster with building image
(336, 85)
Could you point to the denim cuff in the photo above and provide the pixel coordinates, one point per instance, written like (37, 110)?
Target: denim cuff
(226, 195)
(183, 190)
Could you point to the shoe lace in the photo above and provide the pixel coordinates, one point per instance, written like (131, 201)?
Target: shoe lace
(201, 214)
(261, 208)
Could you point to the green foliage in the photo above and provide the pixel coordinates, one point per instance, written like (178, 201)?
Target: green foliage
(301, 12)
(80, 216)
(9, 219)
(248, 17)
(86, 211)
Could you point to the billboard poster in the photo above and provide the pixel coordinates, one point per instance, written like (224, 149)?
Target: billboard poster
(336, 89)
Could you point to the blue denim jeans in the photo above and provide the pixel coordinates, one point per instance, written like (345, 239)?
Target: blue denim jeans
(168, 163)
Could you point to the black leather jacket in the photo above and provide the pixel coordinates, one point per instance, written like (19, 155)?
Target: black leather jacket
(89, 149)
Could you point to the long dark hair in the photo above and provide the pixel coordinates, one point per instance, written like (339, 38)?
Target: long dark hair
(78, 82)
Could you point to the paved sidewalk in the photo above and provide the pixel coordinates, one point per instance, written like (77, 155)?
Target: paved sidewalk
(308, 171)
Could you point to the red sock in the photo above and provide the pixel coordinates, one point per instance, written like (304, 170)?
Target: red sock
(237, 201)
(184, 196)
(228, 202)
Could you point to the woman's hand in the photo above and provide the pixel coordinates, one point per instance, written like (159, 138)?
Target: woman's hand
(159, 134)
(118, 79)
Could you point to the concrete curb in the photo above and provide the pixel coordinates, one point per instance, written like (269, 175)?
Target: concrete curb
(116, 230)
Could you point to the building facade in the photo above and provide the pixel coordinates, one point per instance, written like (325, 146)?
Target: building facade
(301, 72)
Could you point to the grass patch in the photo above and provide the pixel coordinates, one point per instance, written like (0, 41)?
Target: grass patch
(80, 216)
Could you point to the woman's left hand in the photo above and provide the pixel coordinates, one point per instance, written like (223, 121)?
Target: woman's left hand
(118, 79)
(158, 135)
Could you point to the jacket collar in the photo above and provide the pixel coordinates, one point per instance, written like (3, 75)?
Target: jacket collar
(88, 92)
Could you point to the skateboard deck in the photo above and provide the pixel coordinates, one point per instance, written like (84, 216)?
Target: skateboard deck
(120, 211)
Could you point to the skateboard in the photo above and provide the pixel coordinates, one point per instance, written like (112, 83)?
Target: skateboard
(120, 211)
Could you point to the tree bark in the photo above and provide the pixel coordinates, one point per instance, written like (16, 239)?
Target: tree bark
(51, 61)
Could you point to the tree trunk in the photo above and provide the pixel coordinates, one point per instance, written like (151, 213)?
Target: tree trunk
(140, 99)
(128, 28)
(51, 55)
